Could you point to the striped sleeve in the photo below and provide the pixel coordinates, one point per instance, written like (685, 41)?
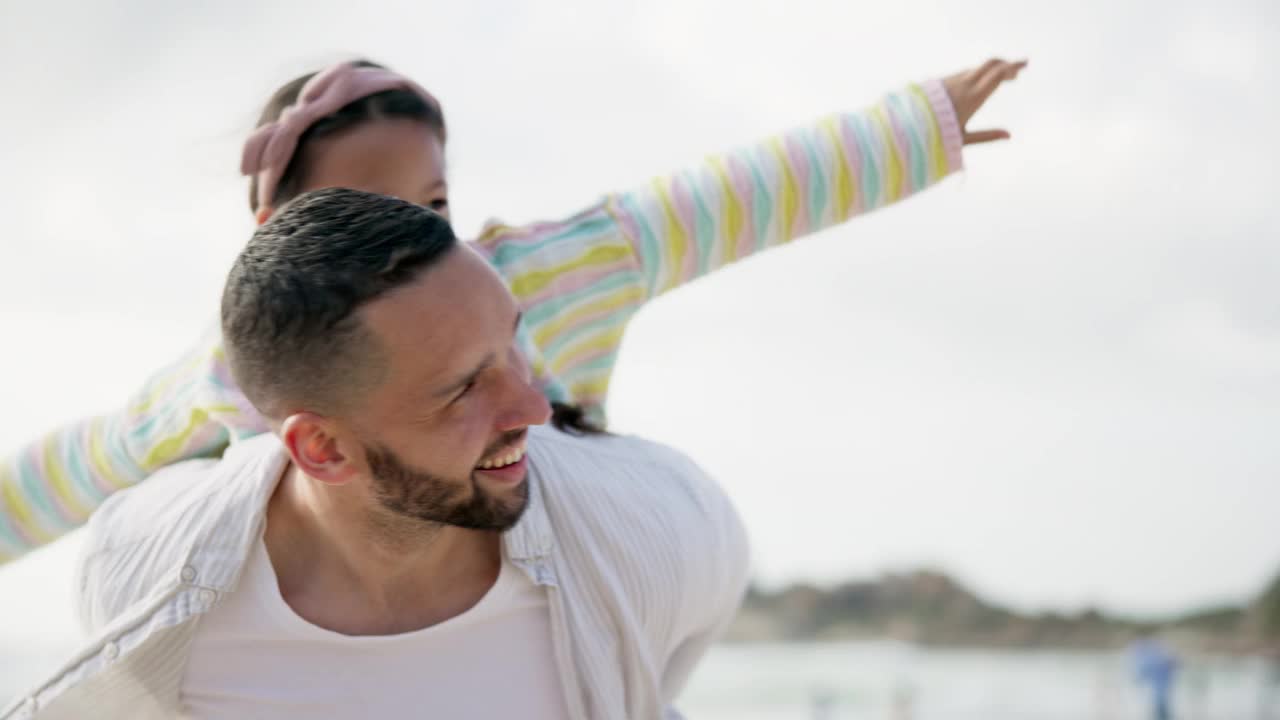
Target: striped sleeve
(580, 280)
(690, 223)
(52, 485)
(190, 409)
(578, 284)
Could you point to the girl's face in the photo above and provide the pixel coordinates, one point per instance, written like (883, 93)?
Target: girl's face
(399, 157)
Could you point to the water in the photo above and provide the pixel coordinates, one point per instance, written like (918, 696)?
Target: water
(890, 681)
(885, 681)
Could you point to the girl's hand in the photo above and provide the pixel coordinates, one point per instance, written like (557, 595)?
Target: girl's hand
(970, 89)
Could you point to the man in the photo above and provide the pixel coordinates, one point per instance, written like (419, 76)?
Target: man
(407, 543)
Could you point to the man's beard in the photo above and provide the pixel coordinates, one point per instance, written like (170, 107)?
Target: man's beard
(419, 495)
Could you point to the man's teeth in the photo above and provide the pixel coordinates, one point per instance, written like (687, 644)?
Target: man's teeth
(512, 457)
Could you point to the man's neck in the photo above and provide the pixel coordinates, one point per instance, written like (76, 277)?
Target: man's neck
(352, 569)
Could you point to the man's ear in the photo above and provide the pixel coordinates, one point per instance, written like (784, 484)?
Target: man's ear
(315, 445)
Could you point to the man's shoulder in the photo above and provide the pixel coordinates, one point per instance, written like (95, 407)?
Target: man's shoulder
(172, 494)
(142, 535)
(135, 513)
(642, 518)
(611, 484)
(570, 461)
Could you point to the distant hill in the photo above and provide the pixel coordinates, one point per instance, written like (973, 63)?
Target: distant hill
(930, 608)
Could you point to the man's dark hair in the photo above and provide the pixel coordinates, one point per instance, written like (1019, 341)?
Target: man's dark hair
(288, 310)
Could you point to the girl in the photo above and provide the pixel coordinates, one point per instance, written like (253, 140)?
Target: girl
(579, 280)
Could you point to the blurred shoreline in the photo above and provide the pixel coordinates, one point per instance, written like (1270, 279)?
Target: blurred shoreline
(930, 609)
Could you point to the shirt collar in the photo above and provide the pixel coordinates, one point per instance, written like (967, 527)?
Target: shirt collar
(531, 537)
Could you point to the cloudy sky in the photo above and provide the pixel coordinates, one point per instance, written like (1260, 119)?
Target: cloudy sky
(1056, 376)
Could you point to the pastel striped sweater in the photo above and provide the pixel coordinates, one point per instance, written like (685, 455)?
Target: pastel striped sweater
(579, 281)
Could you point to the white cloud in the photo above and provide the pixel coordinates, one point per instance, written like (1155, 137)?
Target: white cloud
(1205, 336)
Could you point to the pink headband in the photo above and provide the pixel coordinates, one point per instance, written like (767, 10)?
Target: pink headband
(268, 150)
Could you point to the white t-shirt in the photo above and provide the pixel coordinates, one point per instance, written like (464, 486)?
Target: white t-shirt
(253, 657)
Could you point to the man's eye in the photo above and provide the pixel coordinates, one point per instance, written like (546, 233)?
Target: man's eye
(465, 389)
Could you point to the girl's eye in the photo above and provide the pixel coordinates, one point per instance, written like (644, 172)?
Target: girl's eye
(438, 204)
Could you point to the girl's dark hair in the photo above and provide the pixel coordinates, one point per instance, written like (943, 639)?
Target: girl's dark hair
(386, 104)
(573, 419)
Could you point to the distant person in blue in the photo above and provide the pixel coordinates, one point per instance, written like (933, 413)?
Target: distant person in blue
(1155, 666)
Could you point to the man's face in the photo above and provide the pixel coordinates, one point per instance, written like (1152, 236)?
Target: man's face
(444, 433)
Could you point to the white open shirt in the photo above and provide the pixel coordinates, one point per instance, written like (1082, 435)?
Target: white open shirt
(641, 555)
